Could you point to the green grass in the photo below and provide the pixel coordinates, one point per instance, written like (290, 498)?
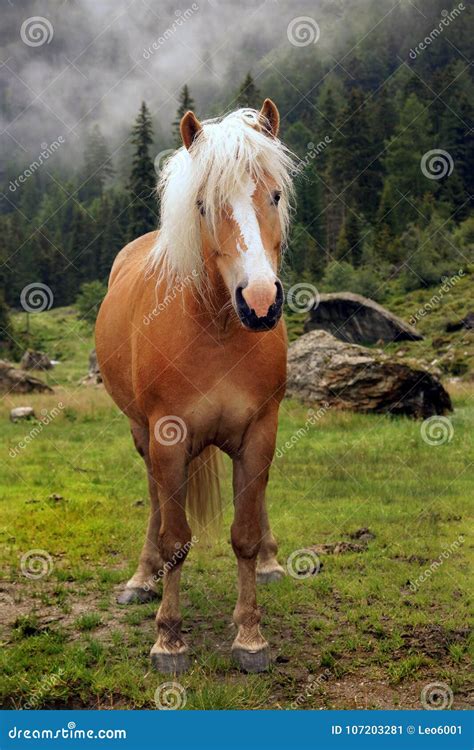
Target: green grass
(88, 622)
(356, 635)
(432, 309)
(63, 335)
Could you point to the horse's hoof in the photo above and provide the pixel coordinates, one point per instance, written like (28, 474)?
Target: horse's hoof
(136, 595)
(170, 663)
(270, 576)
(252, 661)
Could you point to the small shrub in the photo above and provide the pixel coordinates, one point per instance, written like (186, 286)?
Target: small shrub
(90, 299)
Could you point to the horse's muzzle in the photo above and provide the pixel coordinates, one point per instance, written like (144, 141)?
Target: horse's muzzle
(251, 320)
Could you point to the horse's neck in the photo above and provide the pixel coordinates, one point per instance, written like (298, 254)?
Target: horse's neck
(211, 297)
(211, 305)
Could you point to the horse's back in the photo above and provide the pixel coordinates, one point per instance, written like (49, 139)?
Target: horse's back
(132, 257)
(115, 330)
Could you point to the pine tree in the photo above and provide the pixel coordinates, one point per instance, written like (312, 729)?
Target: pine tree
(349, 244)
(186, 103)
(458, 141)
(143, 205)
(308, 237)
(303, 259)
(333, 207)
(112, 238)
(354, 238)
(15, 245)
(5, 322)
(82, 250)
(32, 193)
(97, 165)
(52, 266)
(5, 325)
(355, 157)
(248, 95)
(402, 163)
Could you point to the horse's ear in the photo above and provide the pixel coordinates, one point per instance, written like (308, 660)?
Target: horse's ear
(270, 118)
(190, 128)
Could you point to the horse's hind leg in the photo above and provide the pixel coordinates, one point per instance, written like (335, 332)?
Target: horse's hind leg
(143, 584)
(268, 567)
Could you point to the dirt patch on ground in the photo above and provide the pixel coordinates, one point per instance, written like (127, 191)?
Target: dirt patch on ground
(315, 676)
(431, 640)
(361, 538)
(366, 691)
(39, 608)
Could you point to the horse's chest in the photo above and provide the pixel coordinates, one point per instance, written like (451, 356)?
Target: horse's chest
(232, 395)
(216, 390)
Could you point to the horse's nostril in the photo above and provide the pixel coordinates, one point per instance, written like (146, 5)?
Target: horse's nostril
(279, 294)
(240, 299)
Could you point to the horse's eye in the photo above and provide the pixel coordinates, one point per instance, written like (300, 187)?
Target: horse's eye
(276, 197)
(202, 210)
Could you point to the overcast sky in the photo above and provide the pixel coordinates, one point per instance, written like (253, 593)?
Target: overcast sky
(87, 61)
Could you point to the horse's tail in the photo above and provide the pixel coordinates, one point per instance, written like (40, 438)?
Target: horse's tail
(204, 498)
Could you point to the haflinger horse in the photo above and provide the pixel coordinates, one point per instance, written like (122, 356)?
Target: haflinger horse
(192, 348)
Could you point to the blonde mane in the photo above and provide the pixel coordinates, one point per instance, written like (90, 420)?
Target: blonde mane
(221, 158)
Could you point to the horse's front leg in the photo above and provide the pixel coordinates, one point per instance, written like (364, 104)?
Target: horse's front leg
(268, 567)
(169, 466)
(251, 468)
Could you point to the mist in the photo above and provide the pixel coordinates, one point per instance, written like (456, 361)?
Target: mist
(84, 62)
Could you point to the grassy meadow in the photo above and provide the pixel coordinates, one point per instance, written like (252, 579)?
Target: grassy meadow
(370, 630)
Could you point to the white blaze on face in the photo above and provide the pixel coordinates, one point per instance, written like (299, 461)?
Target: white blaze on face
(254, 258)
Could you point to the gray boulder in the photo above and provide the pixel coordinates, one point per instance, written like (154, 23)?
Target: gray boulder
(93, 377)
(357, 320)
(14, 380)
(22, 412)
(467, 322)
(34, 360)
(324, 370)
